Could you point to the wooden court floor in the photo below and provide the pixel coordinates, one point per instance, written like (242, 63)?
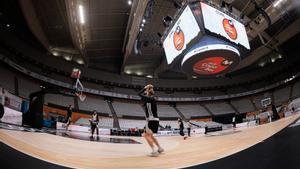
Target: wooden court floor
(178, 152)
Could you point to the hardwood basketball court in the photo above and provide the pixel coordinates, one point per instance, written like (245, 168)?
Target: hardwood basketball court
(178, 152)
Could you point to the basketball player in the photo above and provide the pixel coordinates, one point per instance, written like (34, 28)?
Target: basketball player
(69, 116)
(181, 127)
(189, 128)
(1, 111)
(233, 122)
(150, 107)
(94, 124)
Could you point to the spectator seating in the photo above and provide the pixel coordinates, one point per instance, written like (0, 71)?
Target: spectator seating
(192, 110)
(128, 109)
(7, 78)
(243, 105)
(92, 103)
(59, 100)
(296, 90)
(166, 111)
(26, 87)
(220, 108)
(282, 95)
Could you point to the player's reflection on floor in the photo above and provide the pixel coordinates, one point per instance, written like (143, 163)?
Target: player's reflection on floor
(84, 136)
(70, 134)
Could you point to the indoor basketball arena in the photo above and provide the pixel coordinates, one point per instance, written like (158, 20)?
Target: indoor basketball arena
(208, 84)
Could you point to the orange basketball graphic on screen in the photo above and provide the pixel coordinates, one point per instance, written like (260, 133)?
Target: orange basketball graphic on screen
(211, 65)
(229, 28)
(178, 38)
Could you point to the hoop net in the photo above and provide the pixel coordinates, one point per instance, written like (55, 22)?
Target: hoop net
(81, 96)
(78, 87)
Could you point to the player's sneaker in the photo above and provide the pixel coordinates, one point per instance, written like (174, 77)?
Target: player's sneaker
(160, 150)
(154, 154)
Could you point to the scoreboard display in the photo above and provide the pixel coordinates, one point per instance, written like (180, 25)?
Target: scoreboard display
(221, 24)
(183, 31)
(205, 41)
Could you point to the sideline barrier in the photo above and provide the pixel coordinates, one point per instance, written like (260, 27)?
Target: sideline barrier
(194, 131)
(9, 100)
(12, 116)
(246, 124)
(294, 104)
(62, 126)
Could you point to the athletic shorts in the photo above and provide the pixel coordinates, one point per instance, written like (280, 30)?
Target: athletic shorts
(181, 132)
(93, 126)
(153, 126)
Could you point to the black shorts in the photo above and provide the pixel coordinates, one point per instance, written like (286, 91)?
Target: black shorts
(153, 126)
(93, 126)
(181, 131)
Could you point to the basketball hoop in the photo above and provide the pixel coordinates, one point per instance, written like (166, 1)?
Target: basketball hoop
(81, 96)
(78, 87)
(75, 73)
(266, 102)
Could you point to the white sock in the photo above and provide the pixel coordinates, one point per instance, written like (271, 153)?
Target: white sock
(153, 149)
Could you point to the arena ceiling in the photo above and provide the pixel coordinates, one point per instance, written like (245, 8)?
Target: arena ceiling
(105, 38)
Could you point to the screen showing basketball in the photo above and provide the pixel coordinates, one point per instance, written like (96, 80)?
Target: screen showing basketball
(219, 23)
(210, 57)
(184, 30)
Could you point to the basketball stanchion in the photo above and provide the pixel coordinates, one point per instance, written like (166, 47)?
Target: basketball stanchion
(78, 87)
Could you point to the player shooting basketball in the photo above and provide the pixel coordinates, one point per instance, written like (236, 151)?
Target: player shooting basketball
(150, 107)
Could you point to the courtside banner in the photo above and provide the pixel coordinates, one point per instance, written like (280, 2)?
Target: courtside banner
(184, 30)
(219, 23)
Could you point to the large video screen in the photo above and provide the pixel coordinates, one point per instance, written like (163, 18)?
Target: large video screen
(220, 23)
(184, 30)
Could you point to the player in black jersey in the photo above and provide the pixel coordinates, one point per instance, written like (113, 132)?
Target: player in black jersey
(69, 116)
(181, 128)
(94, 124)
(150, 107)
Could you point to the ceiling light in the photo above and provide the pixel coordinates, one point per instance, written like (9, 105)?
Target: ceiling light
(141, 29)
(144, 20)
(68, 58)
(194, 77)
(262, 64)
(273, 60)
(79, 61)
(277, 3)
(149, 76)
(139, 73)
(142, 25)
(129, 2)
(81, 15)
(7, 25)
(279, 56)
(54, 53)
(128, 72)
